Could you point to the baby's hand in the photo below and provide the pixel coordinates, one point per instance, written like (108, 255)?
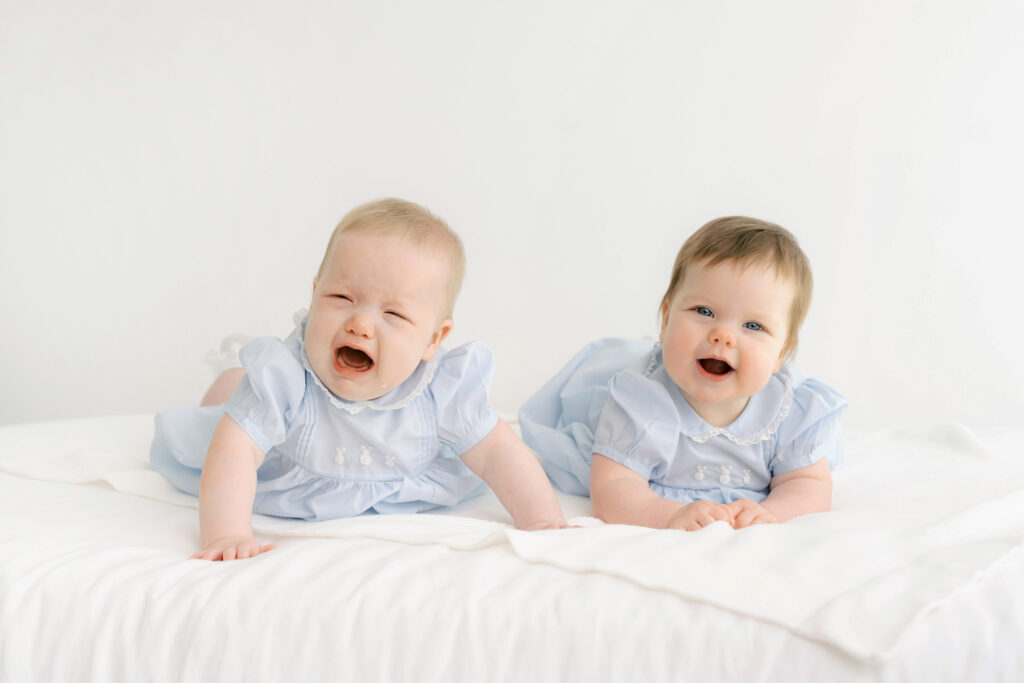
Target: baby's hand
(747, 513)
(540, 526)
(699, 514)
(232, 548)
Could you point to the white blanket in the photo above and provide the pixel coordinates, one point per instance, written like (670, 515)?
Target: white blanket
(918, 516)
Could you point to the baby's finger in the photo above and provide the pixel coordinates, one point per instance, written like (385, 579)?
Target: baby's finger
(738, 507)
(267, 548)
(759, 515)
(743, 518)
(229, 553)
(692, 525)
(725, 513)
(714, 516)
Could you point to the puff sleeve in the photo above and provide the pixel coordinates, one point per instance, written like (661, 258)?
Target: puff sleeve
(811, 431)
(639, 426)
(460, 391)
(270, 395)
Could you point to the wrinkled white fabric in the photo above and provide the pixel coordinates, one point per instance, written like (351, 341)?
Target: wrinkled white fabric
(948, 515)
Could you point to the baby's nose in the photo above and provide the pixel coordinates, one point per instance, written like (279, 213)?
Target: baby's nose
(360, 326)
(722, 335)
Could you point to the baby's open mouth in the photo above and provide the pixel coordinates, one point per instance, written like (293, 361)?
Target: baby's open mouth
(354, 359)
(715, 366)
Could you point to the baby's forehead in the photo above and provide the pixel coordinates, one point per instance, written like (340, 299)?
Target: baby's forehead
(724, 266)
(755, 283)
(412, 266)
(350, 249)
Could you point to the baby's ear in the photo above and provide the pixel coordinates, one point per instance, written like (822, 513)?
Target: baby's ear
(315, 278)
(440, 333)
(664, 321)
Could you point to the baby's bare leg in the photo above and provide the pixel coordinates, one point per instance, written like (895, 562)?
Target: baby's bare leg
(222, 388)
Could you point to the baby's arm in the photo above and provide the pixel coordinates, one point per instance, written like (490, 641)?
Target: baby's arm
(621, 496)
(227, 489)
(800, 492)
(512, 471)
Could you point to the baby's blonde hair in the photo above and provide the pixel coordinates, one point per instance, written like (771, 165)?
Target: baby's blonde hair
(749, 241)
(400, 218)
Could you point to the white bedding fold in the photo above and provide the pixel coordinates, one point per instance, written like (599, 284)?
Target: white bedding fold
(918, 516)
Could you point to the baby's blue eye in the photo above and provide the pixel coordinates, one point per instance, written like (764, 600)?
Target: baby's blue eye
(704, 310)
(756, 327)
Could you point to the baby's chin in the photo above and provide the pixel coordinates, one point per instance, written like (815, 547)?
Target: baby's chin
(347, 389)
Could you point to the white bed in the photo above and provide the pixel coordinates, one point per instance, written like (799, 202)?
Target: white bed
(915, 575)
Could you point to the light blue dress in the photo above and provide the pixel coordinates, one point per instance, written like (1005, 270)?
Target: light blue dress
(327, 457)
(615, 398)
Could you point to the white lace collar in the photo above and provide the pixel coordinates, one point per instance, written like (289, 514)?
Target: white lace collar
(399, 397)
(758, 422)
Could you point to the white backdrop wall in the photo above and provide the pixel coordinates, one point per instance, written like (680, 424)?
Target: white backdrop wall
(170, 173)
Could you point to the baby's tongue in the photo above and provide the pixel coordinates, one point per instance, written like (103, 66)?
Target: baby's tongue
(715, 366)
(354, 358)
